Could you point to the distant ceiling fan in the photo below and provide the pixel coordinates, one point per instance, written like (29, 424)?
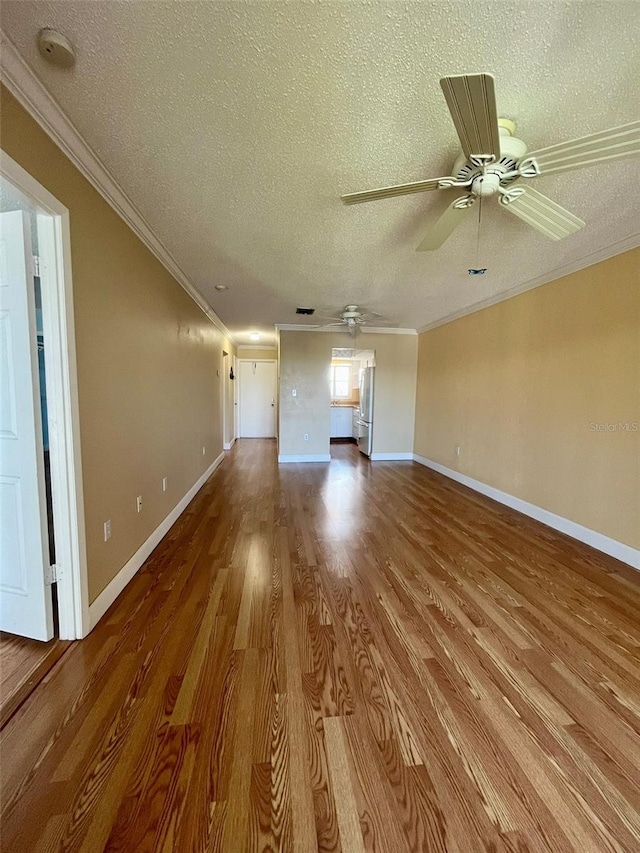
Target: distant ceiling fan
(493, 161)
(352, 317)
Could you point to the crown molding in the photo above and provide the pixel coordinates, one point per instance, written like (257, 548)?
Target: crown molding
(366, 330)
(632, 241)
(386, 330)
(28, 89)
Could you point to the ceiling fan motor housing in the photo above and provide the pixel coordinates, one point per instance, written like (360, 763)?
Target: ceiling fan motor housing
(486, 182)
(351, 313)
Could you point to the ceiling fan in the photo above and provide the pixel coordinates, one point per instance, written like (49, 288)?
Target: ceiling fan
(493, 162)
(352, 318)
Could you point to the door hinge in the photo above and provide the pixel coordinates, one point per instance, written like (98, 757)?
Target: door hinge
(51, 574)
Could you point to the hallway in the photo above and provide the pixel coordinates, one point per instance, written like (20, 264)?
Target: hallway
(349, 657)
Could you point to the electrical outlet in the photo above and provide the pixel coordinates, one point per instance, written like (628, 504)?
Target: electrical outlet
(107, 529)
(164, 484)
(294, 393)
(458, 450)
(139, 503)
(306, 436)
(204, 450)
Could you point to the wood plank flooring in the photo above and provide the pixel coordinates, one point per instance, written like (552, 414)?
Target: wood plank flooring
(23, 665)
(347, 657)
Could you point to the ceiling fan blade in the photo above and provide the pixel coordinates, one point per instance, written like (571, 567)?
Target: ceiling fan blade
(541, 213)
(399, 189)
(612, 144)
(447, 223)
(472, 103)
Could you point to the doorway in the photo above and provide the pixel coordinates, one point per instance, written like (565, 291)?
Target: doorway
(42, 554)
(351, 399)
(257, 390)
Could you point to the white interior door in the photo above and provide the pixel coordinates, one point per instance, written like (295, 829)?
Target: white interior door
(25, 600)
(257, 382)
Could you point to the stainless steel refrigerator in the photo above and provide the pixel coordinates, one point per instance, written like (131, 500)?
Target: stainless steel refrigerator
(365, 421)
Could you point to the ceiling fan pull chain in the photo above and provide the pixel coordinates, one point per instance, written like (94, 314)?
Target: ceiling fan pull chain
(478, 239)
(478, 270)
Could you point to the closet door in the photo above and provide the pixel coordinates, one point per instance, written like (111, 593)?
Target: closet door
(25, 601)
(257, 389)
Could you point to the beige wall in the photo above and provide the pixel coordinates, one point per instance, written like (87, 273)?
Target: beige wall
(257, 354)
(147, 357)
(519, 385)
(305, 358)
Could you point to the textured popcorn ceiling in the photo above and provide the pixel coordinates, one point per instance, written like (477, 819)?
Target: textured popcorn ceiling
(236, 126)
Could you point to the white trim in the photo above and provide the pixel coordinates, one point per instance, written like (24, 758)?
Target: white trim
(251, 360)
(32, 95)
(236, 414)
(271, 348)
(624, 245)
(229, 444)
(368, 330)
(385, 330)
(113, 589)
(622, 552)
(62, 400)
(391, 457)
(308, 457)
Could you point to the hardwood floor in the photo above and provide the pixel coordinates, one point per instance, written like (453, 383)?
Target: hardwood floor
(23, 665)
(347, 657)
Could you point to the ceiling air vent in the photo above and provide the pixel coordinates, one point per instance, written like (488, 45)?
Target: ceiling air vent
(307, 311)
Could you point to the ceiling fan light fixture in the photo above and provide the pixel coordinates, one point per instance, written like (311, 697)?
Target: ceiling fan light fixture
(492, 159)
(254, 336)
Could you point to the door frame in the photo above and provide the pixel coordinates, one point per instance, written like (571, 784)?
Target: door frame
(62, 404)
(239, 414)
(228, 416)
(236, 398)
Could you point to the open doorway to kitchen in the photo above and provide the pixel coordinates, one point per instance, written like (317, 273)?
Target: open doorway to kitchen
(351, 376)
(42, 564)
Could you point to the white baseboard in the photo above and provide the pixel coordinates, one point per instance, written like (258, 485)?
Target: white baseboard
(113, 589)
(310, 457)
(228, 444)
(391, 457)
(622, 552)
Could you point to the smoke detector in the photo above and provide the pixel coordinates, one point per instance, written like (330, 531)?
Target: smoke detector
(56, 48)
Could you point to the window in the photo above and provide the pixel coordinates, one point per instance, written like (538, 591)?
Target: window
(340, 381)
